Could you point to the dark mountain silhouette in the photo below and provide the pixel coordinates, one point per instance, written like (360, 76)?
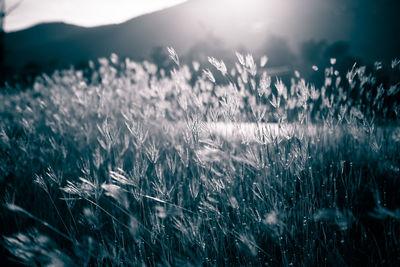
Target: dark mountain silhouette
(234, 24)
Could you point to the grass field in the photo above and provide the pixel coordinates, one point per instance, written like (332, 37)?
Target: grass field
(124, 164)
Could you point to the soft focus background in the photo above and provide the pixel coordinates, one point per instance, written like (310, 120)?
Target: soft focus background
(87, 13)
(292, 33)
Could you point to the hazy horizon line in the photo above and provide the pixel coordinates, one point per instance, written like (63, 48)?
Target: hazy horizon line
(21, 26)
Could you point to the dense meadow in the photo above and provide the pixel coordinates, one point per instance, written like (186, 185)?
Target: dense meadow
(123, 164)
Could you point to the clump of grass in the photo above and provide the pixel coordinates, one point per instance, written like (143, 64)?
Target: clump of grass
(128, 167)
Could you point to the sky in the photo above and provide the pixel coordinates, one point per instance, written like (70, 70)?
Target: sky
(371, 27)
(79, 12)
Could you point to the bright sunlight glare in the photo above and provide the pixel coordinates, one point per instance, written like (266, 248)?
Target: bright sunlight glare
(86, 13)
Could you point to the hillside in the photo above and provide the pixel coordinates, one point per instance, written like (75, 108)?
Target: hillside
(197, 25)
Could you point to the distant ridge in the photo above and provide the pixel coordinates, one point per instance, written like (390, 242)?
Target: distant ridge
(224, 24)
